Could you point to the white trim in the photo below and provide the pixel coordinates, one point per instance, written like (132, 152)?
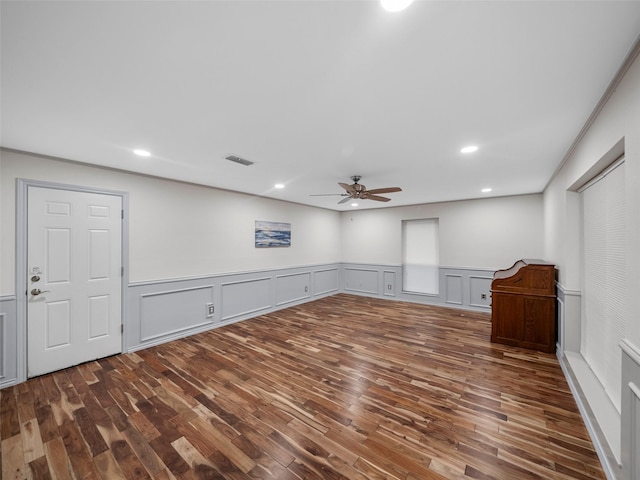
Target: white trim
(635, 389)
(453, 302)
(309, 268)
(293, 274)
(3, 355)
(22, 194)
(568, 292)
(631, 350)
(177, 330)
(609, 169)
(561, 321)
(177, 290)
(590, 423)
(633, 457)
(249, 280)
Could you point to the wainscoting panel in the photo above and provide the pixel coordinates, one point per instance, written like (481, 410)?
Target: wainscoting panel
(8, 342)
(460, 287)
(480, 291)
(560, 325)
(630, 411)
(453, 288)
(389, 284)
(168, 313)
(245, 297)
(361, 280)
(326, 281)
(160, 311)
(292, 287)
(3, 343)
(569, 325)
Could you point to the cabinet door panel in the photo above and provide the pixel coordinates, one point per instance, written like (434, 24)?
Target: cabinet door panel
(507, 317)
(539, 316)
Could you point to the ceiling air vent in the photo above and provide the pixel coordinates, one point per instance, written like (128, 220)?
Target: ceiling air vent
(237, 159)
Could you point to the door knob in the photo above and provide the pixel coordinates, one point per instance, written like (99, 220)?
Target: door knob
(37, 291)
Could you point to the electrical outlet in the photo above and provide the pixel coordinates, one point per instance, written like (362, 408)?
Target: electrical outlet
(306, 288)
(210, 310)
(483, 296)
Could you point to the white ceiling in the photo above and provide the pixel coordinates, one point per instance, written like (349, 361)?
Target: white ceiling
(313, 91)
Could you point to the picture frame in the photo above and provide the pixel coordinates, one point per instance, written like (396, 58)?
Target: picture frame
(272, 234)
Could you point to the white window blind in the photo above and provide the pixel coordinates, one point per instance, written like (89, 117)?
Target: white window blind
(604, 278)
(420, 256)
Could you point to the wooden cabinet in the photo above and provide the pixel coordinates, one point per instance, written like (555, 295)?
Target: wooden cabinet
(523, 305)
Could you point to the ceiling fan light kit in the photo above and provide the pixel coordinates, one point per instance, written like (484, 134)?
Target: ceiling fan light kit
(357, 191)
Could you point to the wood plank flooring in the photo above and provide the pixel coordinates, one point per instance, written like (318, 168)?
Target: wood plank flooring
(344, 387)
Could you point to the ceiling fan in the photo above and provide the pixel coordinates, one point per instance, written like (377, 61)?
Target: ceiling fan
(357, 191)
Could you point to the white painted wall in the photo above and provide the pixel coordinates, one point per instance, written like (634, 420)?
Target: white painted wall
(486, 233)
(177, 229)
(617, 126)
(615, 130)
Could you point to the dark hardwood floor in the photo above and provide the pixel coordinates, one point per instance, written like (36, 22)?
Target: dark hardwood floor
(344, 387)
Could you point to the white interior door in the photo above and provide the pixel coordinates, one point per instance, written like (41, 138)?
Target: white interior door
(74, 258)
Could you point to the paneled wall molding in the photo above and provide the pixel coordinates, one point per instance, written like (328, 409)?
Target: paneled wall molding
(602, 420)
(630, 414)
(491, 271)
(325, 281)
(562, 290)
(631, 350)
(459, 287)
(3, 324)
(8, 341)
(292, 287)
(165, 310)
(560, 312)
(569, 319)
(244, 298)
(176, 307)
(478, 295)
(235, 274)
(453, 287)
(361, 280)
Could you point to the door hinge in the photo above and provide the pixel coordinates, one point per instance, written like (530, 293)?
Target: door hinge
(122, 214)
(122, 271)
(122, 328)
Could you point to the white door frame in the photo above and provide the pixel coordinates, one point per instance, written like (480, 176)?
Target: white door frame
(21, 259)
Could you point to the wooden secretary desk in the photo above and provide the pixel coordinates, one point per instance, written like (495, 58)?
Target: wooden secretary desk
(523, 305)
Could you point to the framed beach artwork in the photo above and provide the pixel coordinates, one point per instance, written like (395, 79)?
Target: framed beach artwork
(273, 234)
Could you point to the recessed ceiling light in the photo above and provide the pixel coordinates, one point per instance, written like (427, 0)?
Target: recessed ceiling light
(354, 204)
(395, 5)
(141, 153)
(469, 149)
(486, 190)
(279, 185)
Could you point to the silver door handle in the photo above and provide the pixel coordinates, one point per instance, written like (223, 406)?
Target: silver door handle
(37, 291)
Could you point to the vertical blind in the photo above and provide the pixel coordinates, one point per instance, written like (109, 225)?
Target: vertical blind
(420, 256)
(604, 277)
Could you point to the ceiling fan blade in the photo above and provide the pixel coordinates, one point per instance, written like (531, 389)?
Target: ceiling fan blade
(377, 198)
(328, 194)
(384, 190)
(344, 200)
(347, 187)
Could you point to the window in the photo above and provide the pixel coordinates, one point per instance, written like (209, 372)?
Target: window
(604, 277)
(420, 256)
